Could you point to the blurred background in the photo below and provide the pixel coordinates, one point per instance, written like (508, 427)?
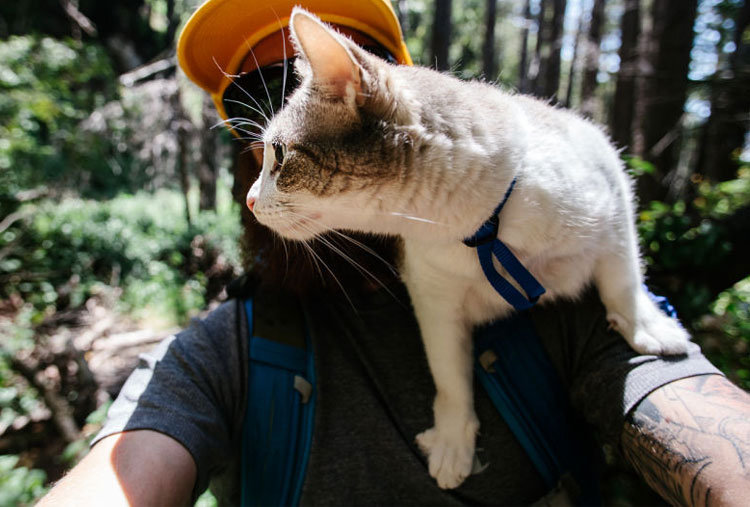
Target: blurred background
(117, 222)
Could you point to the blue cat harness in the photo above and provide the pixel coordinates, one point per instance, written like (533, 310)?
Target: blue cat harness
(487, 243)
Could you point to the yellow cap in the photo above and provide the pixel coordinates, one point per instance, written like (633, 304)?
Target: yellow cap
(218, 36)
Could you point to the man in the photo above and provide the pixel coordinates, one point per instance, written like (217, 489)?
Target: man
(177, 424)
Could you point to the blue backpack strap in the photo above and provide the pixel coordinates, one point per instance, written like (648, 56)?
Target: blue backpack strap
(278, 425)
(519, 377)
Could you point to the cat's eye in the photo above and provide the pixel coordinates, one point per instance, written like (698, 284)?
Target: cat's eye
(279, 151)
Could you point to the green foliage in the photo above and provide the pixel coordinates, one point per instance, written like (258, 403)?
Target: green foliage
(76, 248)
(47, 87)
(17, 399)
(722, 199)
(207, 499)
(19, 485)
(728, 344)
(686, 236)
(638, 167)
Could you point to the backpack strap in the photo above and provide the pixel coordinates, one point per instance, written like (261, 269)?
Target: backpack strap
(522, 383)
(278, 425)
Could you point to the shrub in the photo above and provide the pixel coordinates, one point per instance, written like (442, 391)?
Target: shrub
(72, 249)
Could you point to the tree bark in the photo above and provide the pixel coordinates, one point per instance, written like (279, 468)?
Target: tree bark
(524, 63)
(181, 126)
(542, 36)
(441, 34)
(591, 60)
(488, 48)
(574, 64)
(723, 134)
(173, 22)
(207, 170)
(548, 80)
(402, 11)
(671, 41)
(623, 108)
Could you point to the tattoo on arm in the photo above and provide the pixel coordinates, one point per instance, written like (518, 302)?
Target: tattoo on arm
(690, 440)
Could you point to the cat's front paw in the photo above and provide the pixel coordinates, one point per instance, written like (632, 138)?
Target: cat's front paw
(450, 454)
(660, 335)
(654, 332)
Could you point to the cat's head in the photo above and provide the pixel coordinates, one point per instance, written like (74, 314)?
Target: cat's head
(334, 154)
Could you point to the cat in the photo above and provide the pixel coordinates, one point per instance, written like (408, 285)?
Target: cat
(369, 146)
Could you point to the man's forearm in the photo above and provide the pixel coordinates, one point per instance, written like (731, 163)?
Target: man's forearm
(690, 440)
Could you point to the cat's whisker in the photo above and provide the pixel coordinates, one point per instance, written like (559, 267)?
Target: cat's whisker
(250, 134)
(286, 65)
(335, 278)
(251, 146)
(258, 109)
(412, 217)
(336, 249)
(262, 80)
(224, 72)
(366, 249)
(229, 122)
(241, 120)
(313, 259)
(317, 256)
(232, 78)
(361, 269)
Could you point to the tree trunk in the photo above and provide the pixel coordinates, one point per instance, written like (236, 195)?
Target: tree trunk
(173, 22)
(207, 170)
(623, 108)
(181, 126)
(524, 63)
(591, 60)
(573, 64)
(542, 39)
(723, 134)
(549, 68)
(402, 11)
(671, 41)
(441, 34)
(488, 48)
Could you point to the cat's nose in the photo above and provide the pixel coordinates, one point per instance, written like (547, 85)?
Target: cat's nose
(250, 202)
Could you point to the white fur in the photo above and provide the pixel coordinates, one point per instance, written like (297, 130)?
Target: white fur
(569, 221)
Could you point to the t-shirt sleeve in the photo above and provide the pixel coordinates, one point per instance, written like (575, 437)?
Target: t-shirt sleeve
(189, 388)
(606, 379)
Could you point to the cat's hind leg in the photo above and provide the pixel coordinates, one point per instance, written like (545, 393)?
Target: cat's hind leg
(631, 311)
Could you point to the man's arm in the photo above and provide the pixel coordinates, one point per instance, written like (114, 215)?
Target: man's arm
(133, 468)
(690, 440)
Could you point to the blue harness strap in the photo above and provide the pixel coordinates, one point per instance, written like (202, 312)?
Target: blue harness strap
(278, 425)
(522, 383)
(486, 242)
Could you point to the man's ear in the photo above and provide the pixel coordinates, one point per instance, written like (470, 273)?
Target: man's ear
(333, 68)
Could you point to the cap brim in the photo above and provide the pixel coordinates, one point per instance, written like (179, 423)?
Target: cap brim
(221, 32)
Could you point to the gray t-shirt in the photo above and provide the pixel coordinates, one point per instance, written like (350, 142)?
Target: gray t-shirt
(371, 369)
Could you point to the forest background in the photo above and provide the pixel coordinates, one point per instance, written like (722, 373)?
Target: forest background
(118, 223)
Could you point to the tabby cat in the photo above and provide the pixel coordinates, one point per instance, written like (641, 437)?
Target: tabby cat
(369, 146)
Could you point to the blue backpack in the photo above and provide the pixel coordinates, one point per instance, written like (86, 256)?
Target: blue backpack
(511, 365)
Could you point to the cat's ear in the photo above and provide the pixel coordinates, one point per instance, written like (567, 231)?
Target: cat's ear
(332, 65)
